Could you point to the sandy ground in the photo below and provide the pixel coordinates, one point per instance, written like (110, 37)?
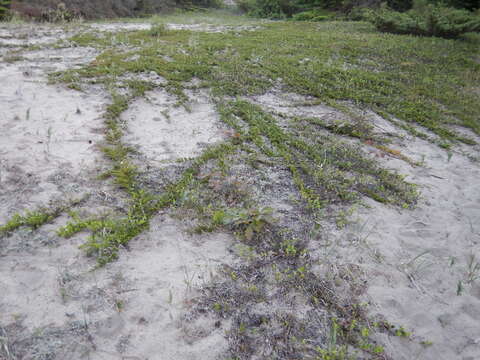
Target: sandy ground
(420, 263)
(119, 26)
(47, 133)
(423, 264)
(52, 304)
(164, 132)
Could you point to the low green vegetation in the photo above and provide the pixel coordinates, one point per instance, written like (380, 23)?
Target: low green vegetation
(421, 84)
(312, 15)
(419, 81)
(344, 172)
(276, 266)
(416, 82)
(110, 233)
(32, 219)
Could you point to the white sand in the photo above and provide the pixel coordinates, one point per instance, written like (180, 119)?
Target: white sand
(414, 260)
(165, 132)
(45, 131)
(49, 147)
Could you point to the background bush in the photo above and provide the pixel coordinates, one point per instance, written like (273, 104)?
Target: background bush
(288, 8)
(308, 8)
(4, 8)
(427, 20)
(460, 4)
(90, 9)
(312, 15)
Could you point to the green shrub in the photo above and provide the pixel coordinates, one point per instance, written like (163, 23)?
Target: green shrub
(400, 5)
(246, 6)
(158, 30)
(59, 14)
(4, 8)
(312, 10)
(346, 6)
(305, 10)
(272, 9)
(300, 10)
(269, 8)
(428, 20)
(312, 15)
(360, 14)
(461, 4)
(198, 4)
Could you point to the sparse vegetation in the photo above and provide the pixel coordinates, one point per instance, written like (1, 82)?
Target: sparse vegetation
(281, 299)
(312, 15)
(12, 58)
(35, 218)
(376, 75)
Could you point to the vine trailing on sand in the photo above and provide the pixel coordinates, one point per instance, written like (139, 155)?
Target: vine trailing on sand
(33, 219)
(108, 235)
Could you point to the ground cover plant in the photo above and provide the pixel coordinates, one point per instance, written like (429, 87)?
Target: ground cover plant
(326, 63)
(427, 86)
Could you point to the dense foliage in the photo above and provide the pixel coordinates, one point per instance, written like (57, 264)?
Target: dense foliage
(4, 7)
(312, 15)
(429, 20)
(309, 9)
(466, 4)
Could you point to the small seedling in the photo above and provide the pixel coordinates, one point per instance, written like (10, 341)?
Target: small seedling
(473, 269)
(449, 155)
(459, 287)
(426, 343)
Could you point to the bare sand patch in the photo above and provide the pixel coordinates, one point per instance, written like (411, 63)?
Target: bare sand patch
(45, 131)
(133, 308)
(117, 27)
(164, 131)
(60, 58)
(12, 34)
(420, 263)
